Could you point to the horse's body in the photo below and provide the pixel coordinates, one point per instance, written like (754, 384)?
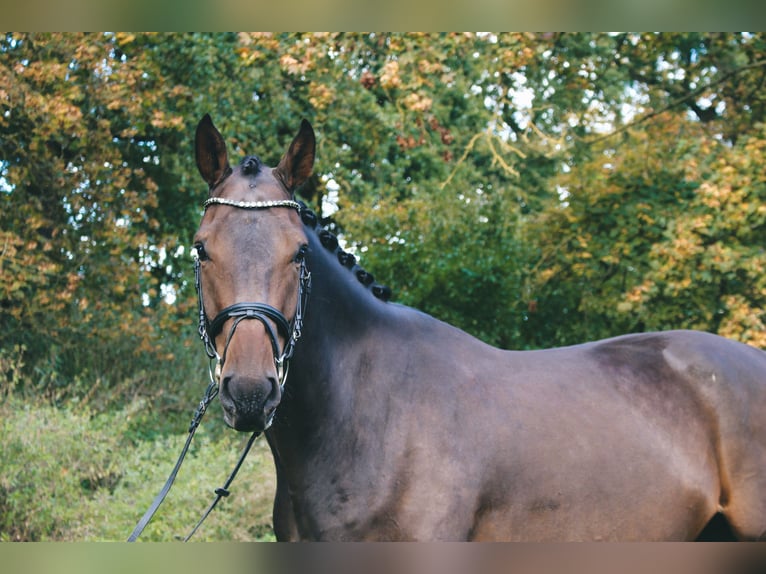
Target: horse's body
(396, 426)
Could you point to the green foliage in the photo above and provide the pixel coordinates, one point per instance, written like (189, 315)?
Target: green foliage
(55, 465)
(668, 233)
(95, 153)
(69, 474)
(83, 241)
(458, 259)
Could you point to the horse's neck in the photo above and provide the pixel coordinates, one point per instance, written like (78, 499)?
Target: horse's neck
(341, 308)
(341, 320)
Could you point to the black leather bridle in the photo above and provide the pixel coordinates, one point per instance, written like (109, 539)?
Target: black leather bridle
(209, 330)
(266, 314)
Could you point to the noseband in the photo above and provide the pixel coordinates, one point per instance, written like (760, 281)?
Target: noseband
(291, 332)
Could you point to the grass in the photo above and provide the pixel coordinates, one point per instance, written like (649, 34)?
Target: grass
(71, 474)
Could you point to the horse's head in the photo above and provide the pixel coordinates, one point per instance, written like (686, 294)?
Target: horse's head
(250, 247)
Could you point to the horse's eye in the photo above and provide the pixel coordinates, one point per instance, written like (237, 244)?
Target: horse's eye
(300, 256)
(198, 252)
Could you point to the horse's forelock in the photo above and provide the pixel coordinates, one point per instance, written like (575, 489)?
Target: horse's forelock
(251, 165)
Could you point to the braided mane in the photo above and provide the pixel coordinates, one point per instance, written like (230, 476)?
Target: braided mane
(330, 242)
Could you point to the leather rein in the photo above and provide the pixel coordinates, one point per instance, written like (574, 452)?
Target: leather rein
(209, 330)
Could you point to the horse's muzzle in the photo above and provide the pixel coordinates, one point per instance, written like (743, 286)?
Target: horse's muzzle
(249, 404)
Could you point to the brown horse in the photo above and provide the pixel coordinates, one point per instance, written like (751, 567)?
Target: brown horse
(393, 425)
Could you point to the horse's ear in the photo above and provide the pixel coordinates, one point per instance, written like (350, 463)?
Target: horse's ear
(295, 166)
(212, 159)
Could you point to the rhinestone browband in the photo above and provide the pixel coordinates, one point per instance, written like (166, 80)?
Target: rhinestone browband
(253, 204)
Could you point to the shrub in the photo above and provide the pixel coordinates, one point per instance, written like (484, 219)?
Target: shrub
(71, 475)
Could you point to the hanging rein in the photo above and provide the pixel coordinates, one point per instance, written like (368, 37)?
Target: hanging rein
(209, 330)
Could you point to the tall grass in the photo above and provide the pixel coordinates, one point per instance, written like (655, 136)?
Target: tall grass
(84, 464)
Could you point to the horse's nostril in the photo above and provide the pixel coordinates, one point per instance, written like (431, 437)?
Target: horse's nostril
(227, 401)
(225, 387)
(249, 403)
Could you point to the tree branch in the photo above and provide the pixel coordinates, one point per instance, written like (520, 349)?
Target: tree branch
(680, 100)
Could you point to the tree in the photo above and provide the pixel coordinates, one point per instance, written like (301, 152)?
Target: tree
(554, 178)
(87, 228)
(640, 241)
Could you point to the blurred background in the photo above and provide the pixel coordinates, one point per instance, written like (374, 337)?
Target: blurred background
(533, 189)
